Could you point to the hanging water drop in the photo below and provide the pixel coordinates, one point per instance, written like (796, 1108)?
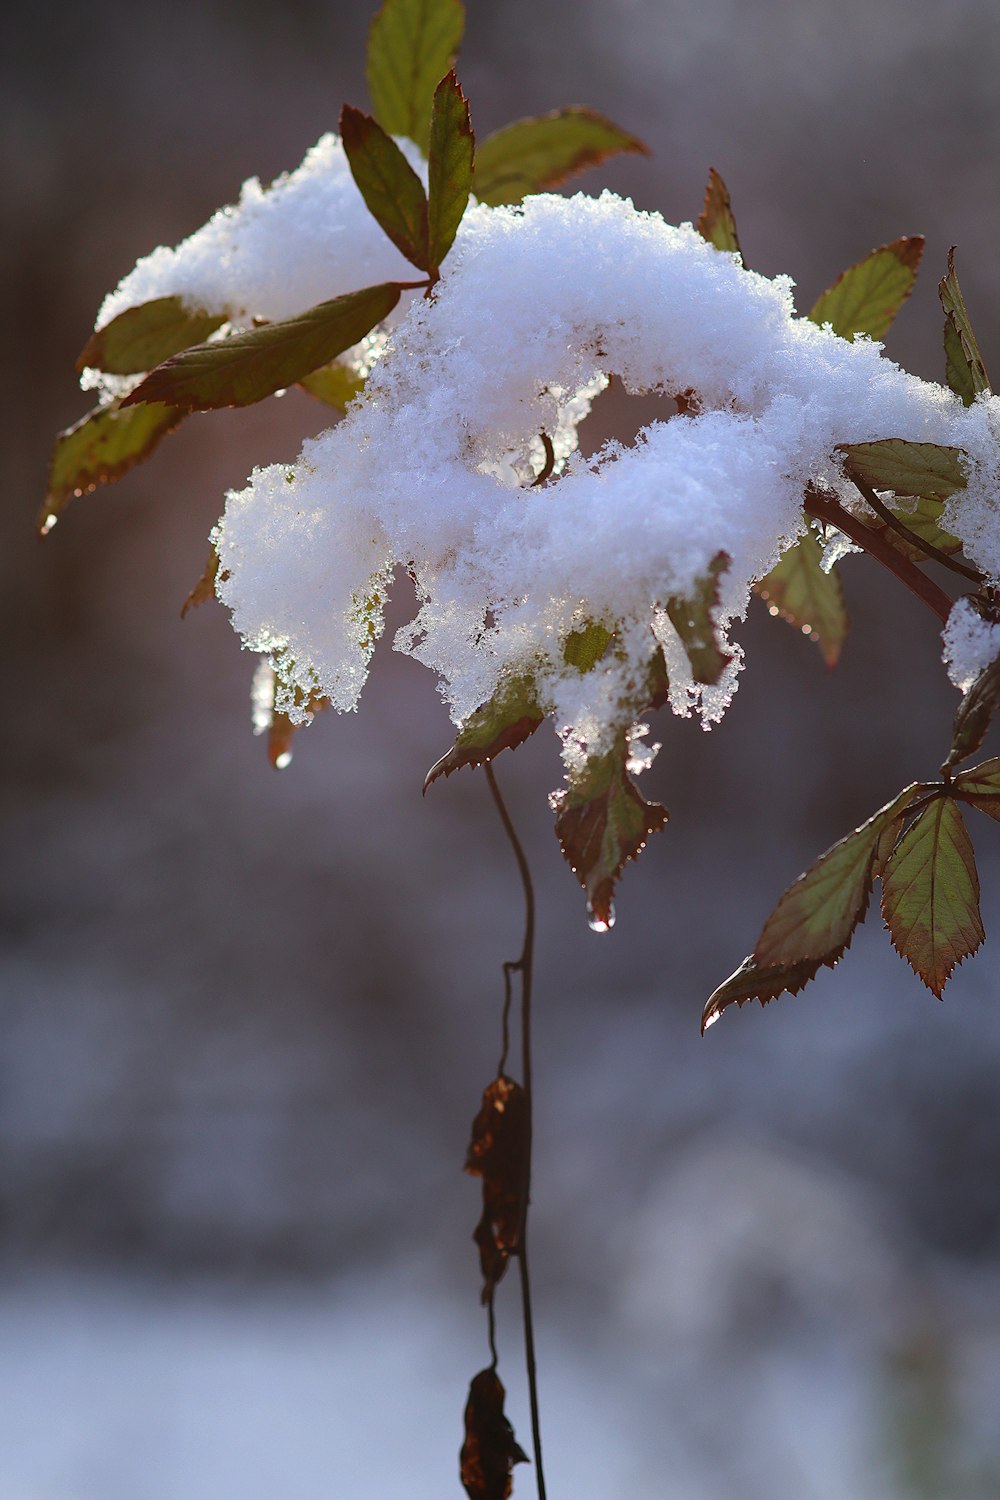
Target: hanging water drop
(601, 922)
(47, 524)
(282, 761)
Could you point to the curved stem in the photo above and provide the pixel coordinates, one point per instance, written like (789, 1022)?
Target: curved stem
(920, 543)
(524, 966)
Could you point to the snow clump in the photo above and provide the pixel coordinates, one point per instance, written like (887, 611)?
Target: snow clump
(970, 645)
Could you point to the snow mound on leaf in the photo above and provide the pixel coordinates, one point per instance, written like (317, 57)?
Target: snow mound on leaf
(537, 307)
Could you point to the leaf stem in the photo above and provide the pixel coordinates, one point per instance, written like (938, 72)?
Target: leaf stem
(524, 966)
(825, 506)
(881, 509)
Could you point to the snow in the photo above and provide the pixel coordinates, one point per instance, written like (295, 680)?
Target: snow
(536, 308)
(970, 644)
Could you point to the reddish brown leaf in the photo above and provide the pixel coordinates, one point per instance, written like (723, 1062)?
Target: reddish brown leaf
(752, 981)
(204, 589)
(716, 222)
(100, 448)
(498, 1153)
(505, 722)
(490, 1450)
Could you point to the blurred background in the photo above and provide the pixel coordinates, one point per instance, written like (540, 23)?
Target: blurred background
(246, 1017)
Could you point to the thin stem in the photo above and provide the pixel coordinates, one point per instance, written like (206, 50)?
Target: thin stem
(545, 472)
(826, 507)
(524, 966)
(881, 509)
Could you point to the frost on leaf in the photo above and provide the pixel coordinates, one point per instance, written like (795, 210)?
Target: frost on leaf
(531, 155)
(811, 600)
(392, 190)
(498, 1153)
(716, 222)
(505, 722)
(601, 823)
(249, 366)
(490, 1449)
(411, 46)
(277, 725)
(694, 619)
(866, 297)
(102, 447)
(930, 894)
(141, 337)
(964, 368)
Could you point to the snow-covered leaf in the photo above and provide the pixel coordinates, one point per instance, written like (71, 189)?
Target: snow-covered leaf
(392, 190)
(490, 1449)
(693, 619)
(866, 297)
(601, 823)
(411, 46)
(930, 894)
(964, 368)
(249, 366)
(505, 722)
(716, 222)
(102, 446)
(930, 470)
(980, 786)
(449, 167)
(799, 591)
(140, 338)
(531, 155)
(974, 715)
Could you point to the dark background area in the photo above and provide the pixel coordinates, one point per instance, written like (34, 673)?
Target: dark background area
(246, 1017)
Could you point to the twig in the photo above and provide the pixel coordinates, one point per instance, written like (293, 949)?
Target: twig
(523, 966)
(922, 545)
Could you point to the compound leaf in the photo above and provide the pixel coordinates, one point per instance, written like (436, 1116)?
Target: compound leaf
(249, 366)
(964, 368)
(930, 894)
(866, 297)
(930, 470)
(506, 721)
(799, 591)
(392, 190)
(101, 447)
(602, 823)
(716, 222)
(142, 337)
(449, 167)
(531, 155)
(692, 618)
(980, 786)
(412, 44)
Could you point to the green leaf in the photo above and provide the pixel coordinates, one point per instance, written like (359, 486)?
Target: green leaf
(584, 648)
(506, 721)
(980, 786)
(142, 337)
(816, 917)
(101, 447)
(974, 716)
(390, 187)
(249, 366)
(449, 168)
(601, 823)
(411, 45)
(930, 894)
(335, 385)
(692, 618)
(964, 368)
(716, 222)
(866, 297)
(929, 470)
(751, 982)
(923, 519)
(531, 155)
(812, 601)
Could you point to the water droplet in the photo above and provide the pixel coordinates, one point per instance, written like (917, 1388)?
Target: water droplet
(773, 610)
(48, 523)
(283, 761)
(807, 630)
(597, 923)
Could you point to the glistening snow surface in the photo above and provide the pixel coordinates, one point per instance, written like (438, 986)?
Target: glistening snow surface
(535, 309)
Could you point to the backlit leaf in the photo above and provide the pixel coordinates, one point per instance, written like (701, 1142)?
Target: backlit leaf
(411, 46)
(392, 190)
(532, 155)
(498, 1153)
(752, 982)
(449, 167)
(335, 385)
(716, 222)
(930, 470)
(204, 589)
(930, 894)
(101, 447)
(922, 517)
(601, 823)
(584, 648)
(980, 786)
(974, 716)
(866, 297)
(693, 620)
(490, 1449)
(816, 917)
(249, 366)
(964, 368)
(812, 601)
(506, 721)
(140, 338)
